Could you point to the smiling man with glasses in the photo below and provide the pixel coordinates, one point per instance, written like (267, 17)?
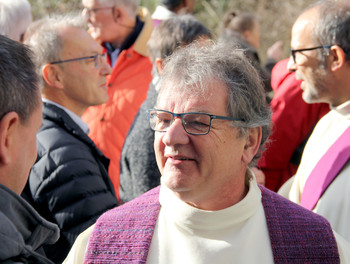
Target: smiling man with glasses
(211, 121)
(320, 58)
(69, 183)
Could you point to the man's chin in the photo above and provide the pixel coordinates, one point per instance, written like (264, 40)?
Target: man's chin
(307, 99)
(95, 35)
(175, 181)
(310, 99)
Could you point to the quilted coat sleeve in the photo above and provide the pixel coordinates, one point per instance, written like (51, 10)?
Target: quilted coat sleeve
(69, 185)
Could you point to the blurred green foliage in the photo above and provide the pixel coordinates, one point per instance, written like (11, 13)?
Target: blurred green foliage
(276, 16)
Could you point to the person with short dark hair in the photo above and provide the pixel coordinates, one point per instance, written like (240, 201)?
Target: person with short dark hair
(23, 231)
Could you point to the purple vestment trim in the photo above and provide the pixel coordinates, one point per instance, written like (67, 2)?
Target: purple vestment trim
(124, 234)
(326, 170)
(297, 235)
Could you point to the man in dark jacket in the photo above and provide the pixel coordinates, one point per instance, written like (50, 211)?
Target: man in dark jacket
(22, 230)
(69, 183)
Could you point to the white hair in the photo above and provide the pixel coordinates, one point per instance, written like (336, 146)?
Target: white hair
(15, 17)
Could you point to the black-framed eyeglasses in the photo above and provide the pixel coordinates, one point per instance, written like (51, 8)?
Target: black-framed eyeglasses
(98, 59)
(294, 51)
(89, 11)
(194, 123)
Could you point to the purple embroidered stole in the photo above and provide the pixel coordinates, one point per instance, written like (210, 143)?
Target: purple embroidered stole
(297, 235)
(326, 170)
(124, 234)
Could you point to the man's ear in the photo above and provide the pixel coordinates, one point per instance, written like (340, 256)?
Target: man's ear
(159, 65)
(8, 128)
(52, 75)
(247, 35)
(117, 13)
(337, 57)
(252, 145)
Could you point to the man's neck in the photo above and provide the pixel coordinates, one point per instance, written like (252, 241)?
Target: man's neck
(126, 30)
(71, 106)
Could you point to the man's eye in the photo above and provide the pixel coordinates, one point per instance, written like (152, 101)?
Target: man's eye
(163, 123)
(197, 126)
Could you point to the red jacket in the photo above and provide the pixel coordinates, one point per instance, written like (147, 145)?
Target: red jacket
(293, 120)
(128, 85)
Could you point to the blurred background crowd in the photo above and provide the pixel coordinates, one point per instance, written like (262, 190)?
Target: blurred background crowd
(277, 16)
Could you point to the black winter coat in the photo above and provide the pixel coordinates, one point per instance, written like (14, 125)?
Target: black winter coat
(69, 183)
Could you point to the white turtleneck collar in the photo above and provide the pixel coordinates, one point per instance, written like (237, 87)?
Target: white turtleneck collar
(343, 109)
(190, 217)
(185, 234)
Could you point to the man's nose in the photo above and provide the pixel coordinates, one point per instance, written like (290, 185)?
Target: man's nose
(291, 66)
(105, 68)
(175, 134)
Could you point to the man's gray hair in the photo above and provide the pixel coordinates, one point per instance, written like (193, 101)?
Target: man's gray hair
(14, 17)
(46, 40)
(19, 91)
(196, 68)
(130, 5)
(333, 24)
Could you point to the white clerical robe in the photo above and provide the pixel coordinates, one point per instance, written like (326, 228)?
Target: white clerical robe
(185, 234)
(334, 204)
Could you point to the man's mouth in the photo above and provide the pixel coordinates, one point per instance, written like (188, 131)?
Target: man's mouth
(179, 158)
(183, 159)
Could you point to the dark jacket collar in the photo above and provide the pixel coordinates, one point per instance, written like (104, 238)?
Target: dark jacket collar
(21, 226)
(61, 118)
(130, 40)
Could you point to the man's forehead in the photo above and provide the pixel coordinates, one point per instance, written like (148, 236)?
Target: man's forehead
(78, 40)
(176, 92)
(302, 32)
(305, 23)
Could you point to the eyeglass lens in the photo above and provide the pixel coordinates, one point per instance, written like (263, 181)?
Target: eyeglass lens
(99, 59)
(197, 124)
(90, 11)
(294, 51)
